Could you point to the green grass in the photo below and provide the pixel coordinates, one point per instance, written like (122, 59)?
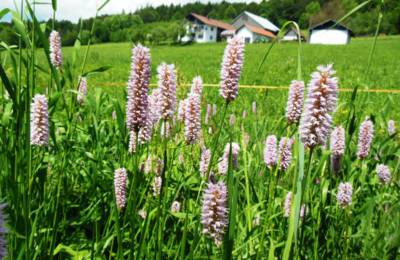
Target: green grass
(350, 61)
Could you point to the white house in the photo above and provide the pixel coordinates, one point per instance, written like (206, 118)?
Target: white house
(251, 27)
(329, 32)
(202, 29)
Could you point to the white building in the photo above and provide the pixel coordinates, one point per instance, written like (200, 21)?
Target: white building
(252, 34)
(292, 35)
(251, 27)
(330, 32)
(202, 29)
(247, 18)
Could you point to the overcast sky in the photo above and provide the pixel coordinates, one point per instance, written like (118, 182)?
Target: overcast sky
(75, 9)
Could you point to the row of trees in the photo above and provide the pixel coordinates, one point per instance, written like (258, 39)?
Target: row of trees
(165, 23)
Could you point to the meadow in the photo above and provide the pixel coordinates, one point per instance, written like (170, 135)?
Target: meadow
(280, 68)
(80, 178)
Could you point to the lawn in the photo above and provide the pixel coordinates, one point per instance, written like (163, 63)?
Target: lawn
(350, 62)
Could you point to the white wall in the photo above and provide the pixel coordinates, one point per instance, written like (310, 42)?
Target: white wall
(329, 36)
(290, 36)
(207, 34)
(246, 34)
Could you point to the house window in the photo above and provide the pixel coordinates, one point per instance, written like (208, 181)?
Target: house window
(247, 39)
(212, 29)
(200, 36)
(211, 37)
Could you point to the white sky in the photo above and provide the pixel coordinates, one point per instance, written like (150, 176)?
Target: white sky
(75, 9)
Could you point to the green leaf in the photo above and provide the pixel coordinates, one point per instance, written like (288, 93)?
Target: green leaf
(355, 9)
(7, 83)
(54, 5)
(103, 5)
(98, 70)
(20, 27)
(3, 12)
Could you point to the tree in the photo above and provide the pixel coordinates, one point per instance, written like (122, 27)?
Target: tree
(230, 12)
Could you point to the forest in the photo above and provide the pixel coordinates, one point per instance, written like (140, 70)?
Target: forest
(165, 23)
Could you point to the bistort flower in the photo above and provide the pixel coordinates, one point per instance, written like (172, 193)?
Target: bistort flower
(204, 162)
(287, 207)
(270, 151)
(391, 127)
(192, 119)
(338, 146)
(167, 85)
(132, 142)
(321, 100)
(383, 173)
(175, 207)
(295, 101)
(214, 213)
(157, 185)
(120, 187)
(56, 58)
(39, 121)
(365, 136)
(197, 86)
(82, 90)
(344, 195)
(182, 110)
(231, 68)
(138, 89)
(155, 106)
(285, 153)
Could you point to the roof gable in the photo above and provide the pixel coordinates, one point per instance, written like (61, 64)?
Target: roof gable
(257, 30)
(210, 22)
(330, 24)
(262, 22)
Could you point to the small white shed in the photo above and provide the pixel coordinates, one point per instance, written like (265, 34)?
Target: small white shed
(252, 34)
(330, 32)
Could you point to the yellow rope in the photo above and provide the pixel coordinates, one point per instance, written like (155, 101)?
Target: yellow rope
(389, 91)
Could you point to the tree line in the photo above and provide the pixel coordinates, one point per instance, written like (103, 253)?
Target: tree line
(165, 23)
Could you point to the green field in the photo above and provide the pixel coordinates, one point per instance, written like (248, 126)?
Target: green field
(350, 62)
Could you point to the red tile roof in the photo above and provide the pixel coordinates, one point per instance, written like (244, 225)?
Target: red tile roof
(212, 22)
(260, 31)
